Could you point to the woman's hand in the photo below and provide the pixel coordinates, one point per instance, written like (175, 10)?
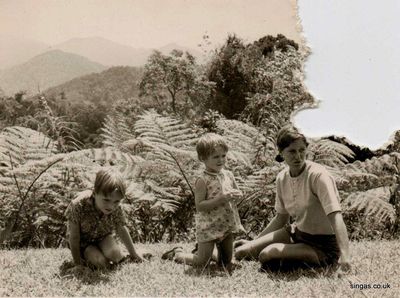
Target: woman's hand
(342, 268)
(344, 264)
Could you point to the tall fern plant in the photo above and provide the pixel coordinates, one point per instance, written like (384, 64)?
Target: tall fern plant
(167, 177)
(19, 147)
(37, 183)
(370, 192)
(163, 186)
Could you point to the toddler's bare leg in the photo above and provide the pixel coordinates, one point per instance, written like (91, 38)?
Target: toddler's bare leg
(111, 249)
(201, 259)
(226, 250)
(215, 255)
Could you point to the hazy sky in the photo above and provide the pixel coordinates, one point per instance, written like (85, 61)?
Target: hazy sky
(146, 23)
(354, 69)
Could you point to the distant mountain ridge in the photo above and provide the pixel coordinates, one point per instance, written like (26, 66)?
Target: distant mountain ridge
(14, 51)
(46, 70)
(111, 53)
(104, 51)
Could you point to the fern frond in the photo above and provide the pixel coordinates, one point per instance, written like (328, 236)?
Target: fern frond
(168, 141)
(165, 130)
(245, 142)
(385, 164)
(77, 168)
(329, 153)
(24, 174)
(167, 198)
(115, 131)
(83, 165)
(371, 173)
(374, 203)
(260, 185)
(23, 144)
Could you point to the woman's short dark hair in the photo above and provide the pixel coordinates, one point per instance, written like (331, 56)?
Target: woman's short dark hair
(286, 136)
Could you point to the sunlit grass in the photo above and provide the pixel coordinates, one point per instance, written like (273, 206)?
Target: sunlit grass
(37, 273)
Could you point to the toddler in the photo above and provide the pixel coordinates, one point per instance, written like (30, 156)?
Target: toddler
(93, 217)
(217, 217)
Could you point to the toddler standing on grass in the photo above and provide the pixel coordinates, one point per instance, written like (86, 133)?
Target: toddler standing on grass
(93, 217)
(217, 217)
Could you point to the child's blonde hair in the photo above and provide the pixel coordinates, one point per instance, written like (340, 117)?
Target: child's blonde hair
(109, 180)
(208, 143)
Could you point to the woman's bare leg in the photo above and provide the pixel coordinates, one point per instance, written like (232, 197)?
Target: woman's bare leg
(252, 249)
(298, 252)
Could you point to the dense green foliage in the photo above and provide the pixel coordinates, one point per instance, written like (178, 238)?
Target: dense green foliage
(174, 82)
(84, 101)
(152, 145)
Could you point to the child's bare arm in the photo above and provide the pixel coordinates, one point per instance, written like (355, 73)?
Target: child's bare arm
(123, 233)
(237, 193)
(200, 197)
(75, 241)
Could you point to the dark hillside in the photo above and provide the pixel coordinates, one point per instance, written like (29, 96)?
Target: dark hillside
(99, 88)
(87, 100)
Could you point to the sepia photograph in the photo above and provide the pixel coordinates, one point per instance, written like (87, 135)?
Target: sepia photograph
(213, 148)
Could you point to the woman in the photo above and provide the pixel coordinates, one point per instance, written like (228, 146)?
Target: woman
(307, 193)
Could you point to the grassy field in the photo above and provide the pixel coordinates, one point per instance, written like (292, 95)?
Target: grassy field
(39, 273)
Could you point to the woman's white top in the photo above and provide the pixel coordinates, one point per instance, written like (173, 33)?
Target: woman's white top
(308, 198)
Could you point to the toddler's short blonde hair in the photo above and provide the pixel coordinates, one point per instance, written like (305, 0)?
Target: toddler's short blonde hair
(109, 180)
(208, 143)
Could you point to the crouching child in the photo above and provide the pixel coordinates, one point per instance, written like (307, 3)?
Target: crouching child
(93, 219)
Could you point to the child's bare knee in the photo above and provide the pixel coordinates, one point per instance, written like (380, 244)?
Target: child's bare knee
(114, 254)
(98, 261)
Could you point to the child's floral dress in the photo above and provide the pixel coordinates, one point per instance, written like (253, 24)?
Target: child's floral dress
(217, 223)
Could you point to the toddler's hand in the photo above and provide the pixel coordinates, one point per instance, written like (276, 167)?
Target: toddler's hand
(236, 194)
(239, 242)
(232, 195)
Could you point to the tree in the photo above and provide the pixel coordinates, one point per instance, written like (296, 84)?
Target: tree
(176, 76)
(232, 83)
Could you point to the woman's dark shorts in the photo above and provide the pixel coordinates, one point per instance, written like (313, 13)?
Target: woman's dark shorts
(325, 245)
